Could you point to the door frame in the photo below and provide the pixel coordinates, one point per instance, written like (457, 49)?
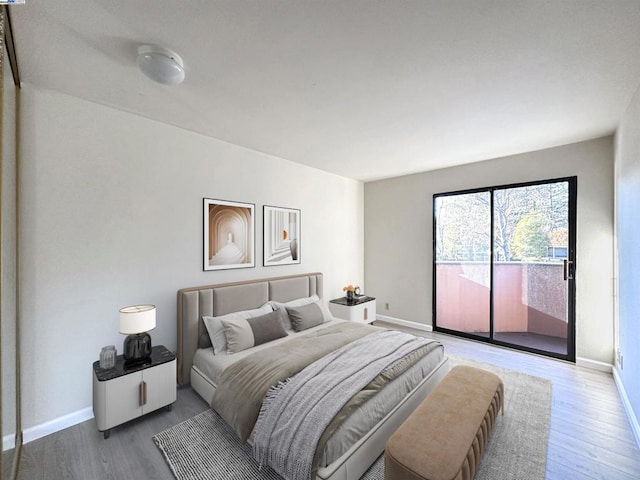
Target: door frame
(571, 257)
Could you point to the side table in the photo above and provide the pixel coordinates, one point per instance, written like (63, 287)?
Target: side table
(360, 309)
(123, 392)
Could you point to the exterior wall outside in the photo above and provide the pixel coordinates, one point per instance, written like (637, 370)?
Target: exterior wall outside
(628, 261)
(399, 237)
(111, 215)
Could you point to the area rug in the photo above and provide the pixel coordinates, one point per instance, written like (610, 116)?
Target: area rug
(204, 447)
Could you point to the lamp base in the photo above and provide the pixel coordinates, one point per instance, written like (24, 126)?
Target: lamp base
(137, 348)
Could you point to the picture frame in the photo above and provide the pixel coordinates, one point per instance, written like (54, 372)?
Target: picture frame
(228, 234)
(281, 235)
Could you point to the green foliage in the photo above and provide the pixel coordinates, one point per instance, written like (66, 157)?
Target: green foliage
(530, 241)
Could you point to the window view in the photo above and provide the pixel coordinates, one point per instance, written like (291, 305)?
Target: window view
(501, 265)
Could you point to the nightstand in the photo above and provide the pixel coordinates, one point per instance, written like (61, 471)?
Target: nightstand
(360, 309)
(123, 393)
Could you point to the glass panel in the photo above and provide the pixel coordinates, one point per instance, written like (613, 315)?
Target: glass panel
(531, 240)
(463, 243)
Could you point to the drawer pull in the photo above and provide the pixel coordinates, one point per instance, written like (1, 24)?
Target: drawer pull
(143, 394)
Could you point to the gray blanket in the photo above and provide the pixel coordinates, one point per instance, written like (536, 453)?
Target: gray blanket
(295, 413)
(244, 384)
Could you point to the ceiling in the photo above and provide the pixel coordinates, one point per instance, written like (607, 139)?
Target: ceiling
(366, 89)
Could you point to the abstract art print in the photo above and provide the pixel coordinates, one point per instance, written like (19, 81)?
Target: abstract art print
(229, 234)
(281, 236)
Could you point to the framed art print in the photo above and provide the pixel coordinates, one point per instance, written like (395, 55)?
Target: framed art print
(281, 241)
(229, 237)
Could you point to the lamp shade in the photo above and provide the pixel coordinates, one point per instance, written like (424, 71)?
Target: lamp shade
(160, 64)
(137, 319)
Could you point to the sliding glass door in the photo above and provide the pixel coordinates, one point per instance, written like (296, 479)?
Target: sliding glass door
(503, 265)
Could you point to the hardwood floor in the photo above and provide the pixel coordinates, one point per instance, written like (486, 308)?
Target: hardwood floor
(590, 436)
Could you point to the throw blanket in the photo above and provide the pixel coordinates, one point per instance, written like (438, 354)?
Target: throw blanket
(295, 413)
(244, 384)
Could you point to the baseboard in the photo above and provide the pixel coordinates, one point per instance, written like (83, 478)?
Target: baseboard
(8, 442)
(633, 420)
(57, 424)
(594, 365)
(405, 323)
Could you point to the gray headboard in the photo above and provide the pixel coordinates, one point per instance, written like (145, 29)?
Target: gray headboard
(216, 300)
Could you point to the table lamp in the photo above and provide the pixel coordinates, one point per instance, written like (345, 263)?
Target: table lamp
(135, 322)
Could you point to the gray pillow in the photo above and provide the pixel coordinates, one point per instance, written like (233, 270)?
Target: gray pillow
(243, 333)
(266, 328)
(306, 316)
(215, 328)
(298, 302)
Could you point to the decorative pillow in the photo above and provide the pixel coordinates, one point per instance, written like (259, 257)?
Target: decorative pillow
(216, 330)
(243, 333)
(299, 302)
(305, 317)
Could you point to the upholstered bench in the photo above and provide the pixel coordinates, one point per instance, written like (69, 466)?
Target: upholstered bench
(443, 439)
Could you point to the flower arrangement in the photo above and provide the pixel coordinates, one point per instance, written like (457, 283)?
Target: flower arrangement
(351, 291)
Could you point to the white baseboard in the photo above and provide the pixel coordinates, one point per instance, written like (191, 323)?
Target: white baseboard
(8, 442)
(57, 424)
(405, 323)
(594, 365)
(635, 426)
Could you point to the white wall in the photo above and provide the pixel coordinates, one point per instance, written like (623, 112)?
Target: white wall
(111, 215)
(628, 233)
(399, 223)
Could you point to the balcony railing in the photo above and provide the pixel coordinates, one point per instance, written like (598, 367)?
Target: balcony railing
(527, 297)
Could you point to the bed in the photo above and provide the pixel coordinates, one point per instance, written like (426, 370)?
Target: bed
(350, 454)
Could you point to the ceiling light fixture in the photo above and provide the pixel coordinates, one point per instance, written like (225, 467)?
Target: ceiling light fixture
(160, 64)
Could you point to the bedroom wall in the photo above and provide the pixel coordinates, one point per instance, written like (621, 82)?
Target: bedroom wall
(399, 222)
(111, 215)
(628, 265)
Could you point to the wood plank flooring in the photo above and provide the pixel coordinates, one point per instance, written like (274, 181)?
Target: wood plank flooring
(590, 436)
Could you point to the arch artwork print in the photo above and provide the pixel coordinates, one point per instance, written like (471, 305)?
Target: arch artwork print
(229, 234)
(281, 232)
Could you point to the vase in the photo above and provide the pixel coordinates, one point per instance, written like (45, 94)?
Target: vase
(349, 296)
(108, 357)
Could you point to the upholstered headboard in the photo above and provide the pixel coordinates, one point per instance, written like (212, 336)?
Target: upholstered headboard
(216, 300)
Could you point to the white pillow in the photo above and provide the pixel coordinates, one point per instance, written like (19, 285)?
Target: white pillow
(216, 329)
(299, 302)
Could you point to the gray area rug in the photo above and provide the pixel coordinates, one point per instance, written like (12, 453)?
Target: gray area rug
(203, 447)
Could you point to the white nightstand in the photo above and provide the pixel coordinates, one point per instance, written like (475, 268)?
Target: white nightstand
(360, 309)
(123, 393)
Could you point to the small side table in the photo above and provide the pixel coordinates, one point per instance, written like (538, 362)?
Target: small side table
(360, 309)
(123, 393)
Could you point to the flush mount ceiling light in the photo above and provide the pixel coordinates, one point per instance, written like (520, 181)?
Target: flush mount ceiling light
(160, 64)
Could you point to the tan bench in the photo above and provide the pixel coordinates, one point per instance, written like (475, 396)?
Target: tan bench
(443, 439)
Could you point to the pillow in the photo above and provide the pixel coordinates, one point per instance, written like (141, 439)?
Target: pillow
(243, 333)
(204, 341)
(216, 330)
(299, 302)
(305, 317)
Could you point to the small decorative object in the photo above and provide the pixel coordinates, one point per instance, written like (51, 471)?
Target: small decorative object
(135, 322)
(229, 240)
(281, 241)
(350, 289)
(108, 357)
